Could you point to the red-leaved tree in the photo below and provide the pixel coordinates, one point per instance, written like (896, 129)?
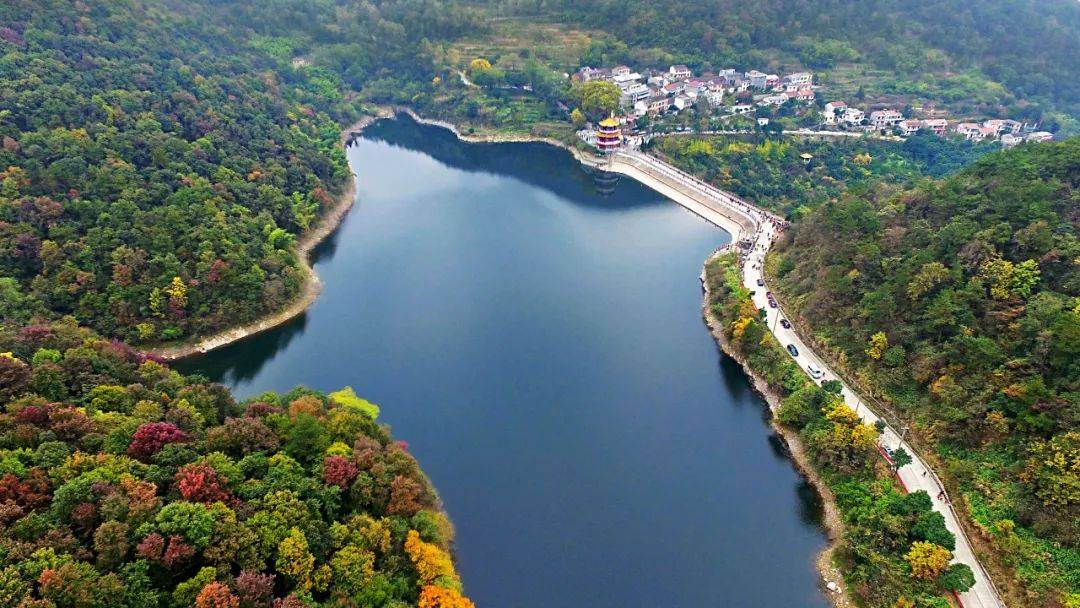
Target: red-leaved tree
(149, 438)
(339, 471)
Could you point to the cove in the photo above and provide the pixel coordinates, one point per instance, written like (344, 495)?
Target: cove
(535, 334)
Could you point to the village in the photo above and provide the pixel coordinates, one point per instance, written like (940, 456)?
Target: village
(650, 98)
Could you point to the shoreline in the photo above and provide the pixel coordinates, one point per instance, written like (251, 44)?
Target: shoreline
(832, 581)
(329, 222)
(736, 229)
(306, 242)
(832, 585)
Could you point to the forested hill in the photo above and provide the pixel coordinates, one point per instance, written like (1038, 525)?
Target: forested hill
(1032, 47)
(159, 158)
(126, 485)
(957, 303)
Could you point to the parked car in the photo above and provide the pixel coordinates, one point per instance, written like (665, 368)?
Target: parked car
(761, 282)
(815, 371)
(791, 349)
(785, 323)
(772, 303)
(768, 294)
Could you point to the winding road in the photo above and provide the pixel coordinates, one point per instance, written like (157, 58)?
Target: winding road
(758, 227)
(915, 476)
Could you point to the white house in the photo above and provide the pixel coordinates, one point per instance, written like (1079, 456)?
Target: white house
(715, 98)
(756, 78)
(833, 111)
(773, 100)
(1040, 136)
(802, 95)
(587, 74)
(1003, 125)
(910, 126)
(799, 79)
(969, 130)
(885, 119)
(852, 116)
(742, 108)
(659, 105)
(681, 102)
(680, 71)
(1009, 140)
(634, 93)
(937, 125)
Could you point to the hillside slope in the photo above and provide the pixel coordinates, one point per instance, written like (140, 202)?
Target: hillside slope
(957, 303)
(996, 51)
(159, 158)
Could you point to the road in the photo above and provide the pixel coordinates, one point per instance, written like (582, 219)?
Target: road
(915, 476)
(794, 132)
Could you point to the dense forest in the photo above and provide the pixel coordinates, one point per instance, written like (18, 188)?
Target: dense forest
(159, 159)
(895, 549)
(125, 484)
(956, 303)
(1029, 50)
(791, 176)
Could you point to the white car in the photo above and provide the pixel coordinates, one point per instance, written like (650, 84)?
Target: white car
(815, 371)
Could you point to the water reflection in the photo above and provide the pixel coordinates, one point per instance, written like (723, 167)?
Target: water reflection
(605, 181)
(537, 164)
(540, 347)
(224, 366)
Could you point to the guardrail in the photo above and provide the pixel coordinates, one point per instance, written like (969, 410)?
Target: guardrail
(727, 200)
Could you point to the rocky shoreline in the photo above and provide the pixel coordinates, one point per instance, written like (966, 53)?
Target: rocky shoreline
(832, 579)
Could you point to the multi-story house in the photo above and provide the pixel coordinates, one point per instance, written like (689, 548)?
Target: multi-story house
(852, 116)
(833, 111)
(680, 72)
(885, 119)
(937, 125)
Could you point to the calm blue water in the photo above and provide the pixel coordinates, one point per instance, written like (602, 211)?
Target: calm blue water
(540, 347)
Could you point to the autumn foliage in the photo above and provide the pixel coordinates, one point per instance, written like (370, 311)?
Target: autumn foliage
(149, 438)
(438, 597)
(143, 488)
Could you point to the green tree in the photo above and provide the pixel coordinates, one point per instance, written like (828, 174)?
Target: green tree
(599, 98)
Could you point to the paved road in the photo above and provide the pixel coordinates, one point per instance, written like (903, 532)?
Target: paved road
(796, 132)
(916, 476)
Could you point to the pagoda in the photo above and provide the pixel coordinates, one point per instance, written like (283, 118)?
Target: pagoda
(608, 135)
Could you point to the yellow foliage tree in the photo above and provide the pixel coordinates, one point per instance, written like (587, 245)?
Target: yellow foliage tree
(738, 327)
(295, 560)
(926, 279)
(177, 292)
(927, 560)
(432, 563)
(479, 65)
(879, 343)
(438, 597)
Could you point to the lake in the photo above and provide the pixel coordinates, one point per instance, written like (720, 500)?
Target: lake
(534, 333)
